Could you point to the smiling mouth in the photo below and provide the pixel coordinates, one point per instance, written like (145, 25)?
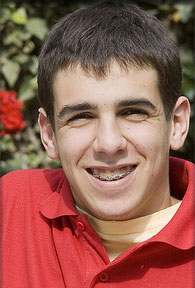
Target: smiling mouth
(111, 174)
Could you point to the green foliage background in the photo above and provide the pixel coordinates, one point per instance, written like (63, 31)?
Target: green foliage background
(23, 28)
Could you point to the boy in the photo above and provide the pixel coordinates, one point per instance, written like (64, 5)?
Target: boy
(119, 213)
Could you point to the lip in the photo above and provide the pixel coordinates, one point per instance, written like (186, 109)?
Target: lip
(111, 167)
(111, 185)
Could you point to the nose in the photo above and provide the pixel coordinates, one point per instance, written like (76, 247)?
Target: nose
(109, 139)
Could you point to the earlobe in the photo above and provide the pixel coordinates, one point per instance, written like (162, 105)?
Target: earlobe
(47, 135)
(180, 123)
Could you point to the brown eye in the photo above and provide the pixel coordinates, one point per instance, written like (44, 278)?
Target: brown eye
(134, 114)
(80, 120)
(80, 117)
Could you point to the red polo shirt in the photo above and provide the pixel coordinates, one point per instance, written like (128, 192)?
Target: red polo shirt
(47, 244)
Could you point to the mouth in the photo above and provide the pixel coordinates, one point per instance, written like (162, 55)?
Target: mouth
(105, 174)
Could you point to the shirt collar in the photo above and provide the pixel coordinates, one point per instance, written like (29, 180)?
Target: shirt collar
(60, 202)
(179, 232)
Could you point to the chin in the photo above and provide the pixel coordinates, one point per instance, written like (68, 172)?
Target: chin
(108, 215)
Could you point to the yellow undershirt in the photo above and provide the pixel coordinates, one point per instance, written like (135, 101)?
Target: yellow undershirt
(118, 236)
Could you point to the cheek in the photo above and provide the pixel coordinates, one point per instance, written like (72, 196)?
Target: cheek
(147, 139)
(72, 144)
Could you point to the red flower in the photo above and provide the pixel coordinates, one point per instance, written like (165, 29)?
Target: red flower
(10, 113)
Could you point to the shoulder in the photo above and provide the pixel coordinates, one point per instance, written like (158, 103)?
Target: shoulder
(37, 182)
(31, 175)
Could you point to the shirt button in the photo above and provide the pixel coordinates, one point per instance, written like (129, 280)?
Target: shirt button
(81, 226)
(104, 277)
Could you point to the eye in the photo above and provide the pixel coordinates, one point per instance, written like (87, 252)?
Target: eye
(80, 116)
(80, 119)
(134, 114)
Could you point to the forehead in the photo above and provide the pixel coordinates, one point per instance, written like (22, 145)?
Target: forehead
(74, 85)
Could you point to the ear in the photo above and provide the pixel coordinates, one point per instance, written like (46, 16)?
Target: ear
(47, 135)
(180, 123)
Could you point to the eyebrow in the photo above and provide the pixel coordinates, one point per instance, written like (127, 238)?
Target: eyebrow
(141, 102)
(69, 109)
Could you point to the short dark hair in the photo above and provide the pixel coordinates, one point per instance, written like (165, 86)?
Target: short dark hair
(94, 36)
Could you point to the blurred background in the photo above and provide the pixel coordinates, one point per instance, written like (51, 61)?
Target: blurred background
(23, 26)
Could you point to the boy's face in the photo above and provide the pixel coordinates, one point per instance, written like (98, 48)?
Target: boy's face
(113, 141)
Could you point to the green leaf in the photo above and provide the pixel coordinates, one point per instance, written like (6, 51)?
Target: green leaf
(164, 7)
(34, 160)
(28, 89)
(37, 27)
(189, 71)
(19, 161)
(5, 15)
(28, 48)
(21, 58)
(19, 16)
(6, 53)
(7, 144)
(13, 38)
(186, 55)
(33, 65)
(11, 72)
(185, 11)
(188, 88)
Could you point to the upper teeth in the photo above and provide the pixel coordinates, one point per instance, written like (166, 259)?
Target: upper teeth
(110, 175)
